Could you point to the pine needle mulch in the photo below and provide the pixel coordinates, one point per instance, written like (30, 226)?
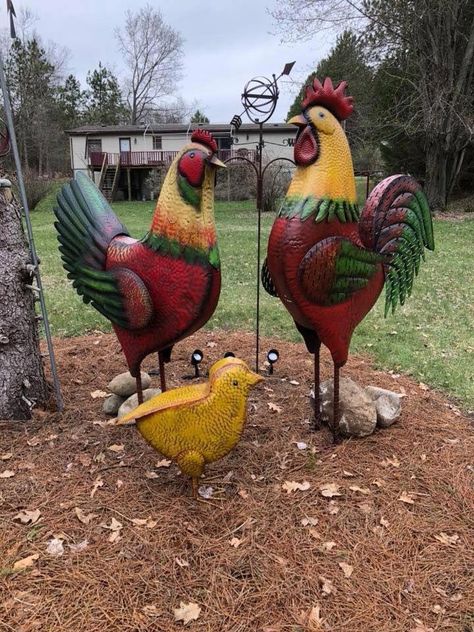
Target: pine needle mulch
(390, 547)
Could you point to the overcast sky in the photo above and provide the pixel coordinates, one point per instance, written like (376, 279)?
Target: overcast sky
(226, 44)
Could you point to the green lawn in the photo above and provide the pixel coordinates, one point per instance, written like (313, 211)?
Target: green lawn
(430, 337)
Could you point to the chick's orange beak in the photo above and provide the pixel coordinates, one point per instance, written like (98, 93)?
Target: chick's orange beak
(255, 378)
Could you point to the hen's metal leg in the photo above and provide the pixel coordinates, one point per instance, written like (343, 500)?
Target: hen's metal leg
(335, 418)
(139, 387)
(161, 364)
(317, 396)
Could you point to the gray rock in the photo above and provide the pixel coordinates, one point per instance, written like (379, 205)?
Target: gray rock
(132, 402)
(112, 404)
(387, 403)
(125, 385)
(357, 412)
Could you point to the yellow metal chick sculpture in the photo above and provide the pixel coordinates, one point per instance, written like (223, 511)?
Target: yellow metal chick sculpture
(199, 424)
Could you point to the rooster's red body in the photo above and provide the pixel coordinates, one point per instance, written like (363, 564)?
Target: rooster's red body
(326, 261)
(162, 288)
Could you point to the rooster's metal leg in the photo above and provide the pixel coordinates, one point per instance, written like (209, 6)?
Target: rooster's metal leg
(335, 418)
(161, 363)
(139, 387)
(317, 396)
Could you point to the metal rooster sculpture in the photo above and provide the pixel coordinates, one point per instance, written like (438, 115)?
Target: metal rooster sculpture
(198, 424)
(326, 261)
(163, 287)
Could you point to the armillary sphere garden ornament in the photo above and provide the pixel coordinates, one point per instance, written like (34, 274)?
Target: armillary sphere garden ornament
(259, 99)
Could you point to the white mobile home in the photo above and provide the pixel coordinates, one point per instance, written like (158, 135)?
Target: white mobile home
(120, 157)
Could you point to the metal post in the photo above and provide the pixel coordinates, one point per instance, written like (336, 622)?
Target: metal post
(26, 213)
(259, 233)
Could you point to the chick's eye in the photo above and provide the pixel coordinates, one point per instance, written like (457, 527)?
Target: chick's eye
(235, 383)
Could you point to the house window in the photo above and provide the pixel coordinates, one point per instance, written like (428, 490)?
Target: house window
(94, 145)
(157, 142)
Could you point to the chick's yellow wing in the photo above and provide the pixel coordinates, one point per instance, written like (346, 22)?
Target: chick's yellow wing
(175, 398)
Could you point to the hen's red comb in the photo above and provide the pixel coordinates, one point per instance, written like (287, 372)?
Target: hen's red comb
(329, 97)
(205, 138)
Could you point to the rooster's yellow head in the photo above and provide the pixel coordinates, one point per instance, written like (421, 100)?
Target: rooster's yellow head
(322, 142)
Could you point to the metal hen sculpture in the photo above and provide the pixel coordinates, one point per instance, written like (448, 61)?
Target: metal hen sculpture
(163, 287)
(326, 261)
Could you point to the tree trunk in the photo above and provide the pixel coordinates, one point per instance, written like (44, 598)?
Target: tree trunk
(436, 177)
(22, 379)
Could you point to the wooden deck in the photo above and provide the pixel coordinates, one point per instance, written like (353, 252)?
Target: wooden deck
(156, 158)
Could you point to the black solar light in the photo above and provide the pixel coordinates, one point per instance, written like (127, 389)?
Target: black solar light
(272, 357)
(196, 359)
(229, 354)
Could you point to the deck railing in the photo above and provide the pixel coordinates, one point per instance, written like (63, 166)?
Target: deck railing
(155, 158)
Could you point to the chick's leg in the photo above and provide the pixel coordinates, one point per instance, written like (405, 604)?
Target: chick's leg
(191, 462)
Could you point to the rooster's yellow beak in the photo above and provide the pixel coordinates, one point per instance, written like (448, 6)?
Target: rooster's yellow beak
(216, 162)
(298, 120)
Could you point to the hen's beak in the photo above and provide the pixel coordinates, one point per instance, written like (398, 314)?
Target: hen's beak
(298, 120)
(216, 162)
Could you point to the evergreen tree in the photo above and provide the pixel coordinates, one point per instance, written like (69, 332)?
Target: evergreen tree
(71, 101)
(32, 84)
(104, 98)
(199, 117)
(346, 61)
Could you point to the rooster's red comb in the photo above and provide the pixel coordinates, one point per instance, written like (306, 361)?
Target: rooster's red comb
(205, 138)
(329, 97)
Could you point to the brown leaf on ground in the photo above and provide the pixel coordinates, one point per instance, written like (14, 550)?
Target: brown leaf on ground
(6, 457)
(116, 447)
(326, 586)
(97, 483)
(114, 525)
(187, 612)
(393, 461)
(274, 407)
(163, 463)
(26, 562)
(235, 542)
(361, 490)
(449, 540)
(347, 569)
(83, 517)
(28, 517)
(150, 610)
(7, 474)
(151, 475)
(407, 498)
(292, 486)
(99, 394)
(329, 490)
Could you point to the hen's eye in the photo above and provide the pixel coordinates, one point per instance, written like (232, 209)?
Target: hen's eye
(191, 155)
(321, 114)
